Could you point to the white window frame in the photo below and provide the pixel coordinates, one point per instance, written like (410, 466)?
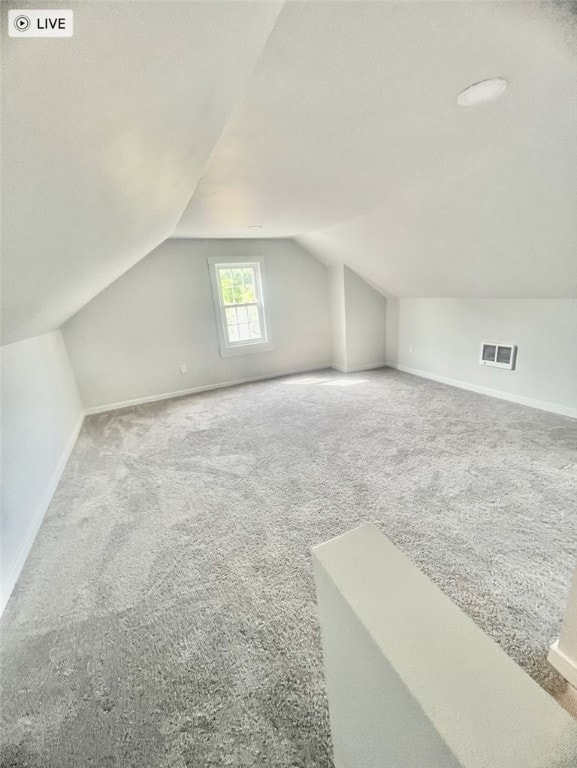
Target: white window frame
(232, 348)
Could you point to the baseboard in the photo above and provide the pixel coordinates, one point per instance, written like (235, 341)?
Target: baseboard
(36, 522)
(203, 388)
(563, 664)
(541, 405)
(357, 368)
(369, 367)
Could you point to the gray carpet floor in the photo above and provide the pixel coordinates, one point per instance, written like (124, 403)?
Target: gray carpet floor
(166, 614)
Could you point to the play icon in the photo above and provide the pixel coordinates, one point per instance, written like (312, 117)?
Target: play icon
(22, 23)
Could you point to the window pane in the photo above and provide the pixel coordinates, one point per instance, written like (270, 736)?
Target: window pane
(230, 315)
(237, 285)
(225, 281)
(242, 315)
(233, 333)
(254, 330)
(230, 286)
(252, 314)
(248, 285)
(243, 332)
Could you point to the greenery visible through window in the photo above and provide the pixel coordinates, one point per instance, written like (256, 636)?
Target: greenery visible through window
(240, 296)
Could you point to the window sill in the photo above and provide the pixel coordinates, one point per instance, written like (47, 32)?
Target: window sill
(246, 349)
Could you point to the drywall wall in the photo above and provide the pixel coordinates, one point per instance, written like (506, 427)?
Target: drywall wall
(41, 416)
(338, 316)
(446, 335)
(563, 652)
(105, 138)
(358, 321)
(412, 681)
(392, 331)
(365, 310)
(375, 722)
(129, 342)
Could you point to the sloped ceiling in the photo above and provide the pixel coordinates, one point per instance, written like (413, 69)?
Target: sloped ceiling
(349, 137)
(105, 136)
(332, 122)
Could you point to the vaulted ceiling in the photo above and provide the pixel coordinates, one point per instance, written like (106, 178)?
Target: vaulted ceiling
(105, 136)
(332, 122)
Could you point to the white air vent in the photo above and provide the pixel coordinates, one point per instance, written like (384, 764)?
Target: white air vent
(499, 355)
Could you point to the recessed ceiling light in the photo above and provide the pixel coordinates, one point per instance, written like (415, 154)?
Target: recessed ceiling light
(255, 226)
(479, 93)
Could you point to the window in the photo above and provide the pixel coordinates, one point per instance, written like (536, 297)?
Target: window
(238, 294)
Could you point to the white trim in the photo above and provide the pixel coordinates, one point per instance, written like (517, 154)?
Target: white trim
(36, 522)
(357, 368)
(247, 348)
(563, 664)
(542, 405)
(203, 388)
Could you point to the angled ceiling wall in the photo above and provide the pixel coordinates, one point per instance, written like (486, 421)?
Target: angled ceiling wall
(349, 137)
(332, 122)
(105, 135)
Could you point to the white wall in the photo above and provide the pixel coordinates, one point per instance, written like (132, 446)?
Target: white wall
(358, 321)
(105, 139)
(563, 652)
(129, 342)
(446, 335)
(338, 316)
(392, 331)
(365, 310)
(41, 415)
(412, 682)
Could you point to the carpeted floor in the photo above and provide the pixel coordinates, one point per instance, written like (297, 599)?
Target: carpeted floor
(166, 614)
